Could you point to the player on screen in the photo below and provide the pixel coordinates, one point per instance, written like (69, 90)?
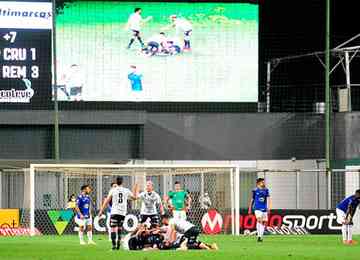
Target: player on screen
(184, 26)
(108, 212)
(151, 205)
(156, 44)
(119, 197)
(134, 24)
(83, 214)
(260, 202)
(135, 78)
(345, 212)
(179, 202)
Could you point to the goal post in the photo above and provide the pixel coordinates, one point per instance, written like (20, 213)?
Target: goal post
(212, 188)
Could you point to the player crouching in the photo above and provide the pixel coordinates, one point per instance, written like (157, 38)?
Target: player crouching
(188, 235)
(345, 212)
(159, 44)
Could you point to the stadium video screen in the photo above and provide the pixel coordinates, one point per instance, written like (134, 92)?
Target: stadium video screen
(25, 52)
(157, 51)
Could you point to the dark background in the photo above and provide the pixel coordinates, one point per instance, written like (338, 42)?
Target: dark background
(212, 131)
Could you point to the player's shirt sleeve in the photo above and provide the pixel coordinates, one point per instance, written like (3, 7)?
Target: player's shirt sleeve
(253, 194)
(171, 194)
(158, 199)
(142, 195)
(78, 202)
(267, 193)
(111, 191)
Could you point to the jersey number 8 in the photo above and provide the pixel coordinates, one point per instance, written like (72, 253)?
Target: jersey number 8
(120, 198)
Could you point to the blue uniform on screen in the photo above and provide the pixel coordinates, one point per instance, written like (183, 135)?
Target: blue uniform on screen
(83, 203)
(260, 199)
(135, 79)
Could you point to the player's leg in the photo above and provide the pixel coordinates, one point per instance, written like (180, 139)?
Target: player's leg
(114, 230)
(81, 224)
(138, 37)
(340, 218)
(108, 216)
(260, 227)
(89, 229)
(132, 39)
(187, 35)
(119, 230)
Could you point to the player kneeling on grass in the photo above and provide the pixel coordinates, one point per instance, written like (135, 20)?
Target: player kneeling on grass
(345, 212)
(260, 202)
(83, 217)
(189, 232)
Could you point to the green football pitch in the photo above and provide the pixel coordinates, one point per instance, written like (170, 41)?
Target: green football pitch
(231, 248)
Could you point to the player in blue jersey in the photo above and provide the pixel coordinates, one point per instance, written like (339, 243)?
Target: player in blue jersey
(345, 212)
(108, 212)
(83, 214)
(135, 79)
(260, 202)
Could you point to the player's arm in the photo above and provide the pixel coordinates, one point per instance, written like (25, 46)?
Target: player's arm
(251, 202)
(147, 19)
(161, 206)
(77, 209)
(134, 195)
(105, 204)
(188, 200)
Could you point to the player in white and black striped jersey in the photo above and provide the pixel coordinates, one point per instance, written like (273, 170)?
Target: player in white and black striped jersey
(151, 205)
(119, 197)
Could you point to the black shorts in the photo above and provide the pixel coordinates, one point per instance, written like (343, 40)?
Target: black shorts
(74, 91)
(192, 235)
(117, 220)
(154, 219)
(136, 33)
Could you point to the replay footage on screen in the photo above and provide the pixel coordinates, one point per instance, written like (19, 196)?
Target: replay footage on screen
(157, 51)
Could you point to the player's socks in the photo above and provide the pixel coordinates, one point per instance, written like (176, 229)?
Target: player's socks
(349, 232)
(344, 233)
(81, 237)
(90, 238)
(131, 42)
(141, 42)
(258, 229)
(113, 240)
(118, 243)
(262, 229)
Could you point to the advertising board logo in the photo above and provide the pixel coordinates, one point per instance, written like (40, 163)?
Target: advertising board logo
(212, 222)
(9, 218)
(60, 219)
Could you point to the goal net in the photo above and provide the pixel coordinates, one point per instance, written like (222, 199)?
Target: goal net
(51, 187)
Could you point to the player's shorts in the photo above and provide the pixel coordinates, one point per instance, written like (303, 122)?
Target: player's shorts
(261, 215)
(83, 222)
(188, 33)
(116, 220)
(179, 215)
(74, 91)
(135, 33)
(340, 216)
(192, 235)
(154, 219)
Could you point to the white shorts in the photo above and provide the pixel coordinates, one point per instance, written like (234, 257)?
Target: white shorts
(340, 216)
(83, 222)
(261, 215)
(179, 215)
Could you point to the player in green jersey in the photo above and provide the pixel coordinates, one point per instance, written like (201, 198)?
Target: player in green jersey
(179, 202)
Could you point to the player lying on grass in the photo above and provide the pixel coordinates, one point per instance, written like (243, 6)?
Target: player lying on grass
(119, 197)
(159, 44)
(166, 237)
(260, 202)
(83, 214)
(345, 212)
(188, 234)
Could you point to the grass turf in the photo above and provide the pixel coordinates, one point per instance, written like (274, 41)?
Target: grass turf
(231, 248)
